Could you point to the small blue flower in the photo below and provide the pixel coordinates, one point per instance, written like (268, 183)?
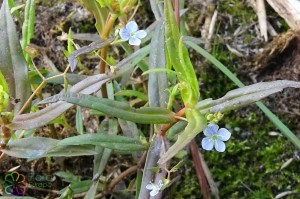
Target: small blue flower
(155, 188)
(130, 32)
(215, 137)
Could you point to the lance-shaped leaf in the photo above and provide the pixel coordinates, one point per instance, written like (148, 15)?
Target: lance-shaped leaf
(12, 63)
(107, 127)
(117, 109)
(116, 142)
(42, 117)
(37, 147)
(179, 57)
(245, 96)
(86, 86)
(196, 124)
(158, 82)
(86, 49)
(276, 121)
(28, 26)
(72, 78)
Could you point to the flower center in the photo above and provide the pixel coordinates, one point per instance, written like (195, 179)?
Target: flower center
(214, 137)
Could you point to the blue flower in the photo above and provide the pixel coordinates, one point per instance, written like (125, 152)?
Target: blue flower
(155, 188)
(215, 137)
(130, 32)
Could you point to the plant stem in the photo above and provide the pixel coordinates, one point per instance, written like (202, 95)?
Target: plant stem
(177, 15)
(199, 169)
(103, 53)
(162, 131)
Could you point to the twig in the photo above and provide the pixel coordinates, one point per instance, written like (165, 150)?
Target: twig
(103, 53)
(40, 87)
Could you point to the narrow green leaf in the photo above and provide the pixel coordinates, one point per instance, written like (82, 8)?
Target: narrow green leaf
(67, 176)
(72, 78)
(34, 147)
(70, 151)
(28, 26)
(42, 117)
(16, 12)
(12, 63)
(108, 127)
(79, 120)
(278, 123)
(87, 86)
(132, 93)
(78, 187)
(179, 57)
(196, 124)
(138, 183)
(116, 109)
(86, 49)
(116, 142)
(159, 70)
(245, 96)
(156, 9)
(37, 147)
(158, 82)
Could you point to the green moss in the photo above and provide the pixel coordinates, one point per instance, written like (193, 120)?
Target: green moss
(250, 167)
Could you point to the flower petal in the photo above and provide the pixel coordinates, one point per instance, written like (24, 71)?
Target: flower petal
(160, 184)
(211, 130)
(154, 192)
(207, 144)
(124, 34)
(141, 34)
(220, 146)
(150, 186)
(131, 26)
(223, 134)
(134, 41)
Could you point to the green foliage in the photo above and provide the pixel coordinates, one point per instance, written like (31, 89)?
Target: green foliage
(28, 26)
(12, 63)
(145, 115)
(99, 13)
(251, 167)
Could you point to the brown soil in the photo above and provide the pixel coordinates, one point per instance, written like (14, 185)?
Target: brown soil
(280, 59)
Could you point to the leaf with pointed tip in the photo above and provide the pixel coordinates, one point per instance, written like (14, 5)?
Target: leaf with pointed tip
(72, 78)
(37, 147)
(34, 147)
(42, 117)
(70, 151)
(179, 57)
(107, 127)
(78, 187)
(145, 115)
(12, 63)
(276, 121)
(86, 86)
(86, 49)
(196, 124)
(116, 142)
(245, 96)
